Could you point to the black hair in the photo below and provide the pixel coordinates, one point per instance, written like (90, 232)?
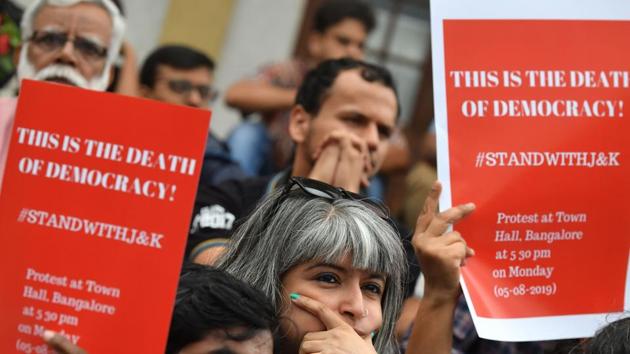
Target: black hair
(319, 80)
(612, 339)
(120, 7)
(176, 56)
(334, 11)
(209, 299)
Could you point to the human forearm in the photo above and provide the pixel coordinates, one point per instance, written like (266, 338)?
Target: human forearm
(440, 252)
(433, 329)
(128, 76)
(258, 96)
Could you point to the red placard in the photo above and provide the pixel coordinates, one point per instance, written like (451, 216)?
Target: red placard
(94, 213)
(537, 138)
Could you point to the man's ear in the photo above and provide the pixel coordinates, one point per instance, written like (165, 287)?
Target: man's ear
(145, 91)
(314, 45)
(299, 124)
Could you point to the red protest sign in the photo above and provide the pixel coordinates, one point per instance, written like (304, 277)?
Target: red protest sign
(551, 136)
(536, 114)
(94, 213)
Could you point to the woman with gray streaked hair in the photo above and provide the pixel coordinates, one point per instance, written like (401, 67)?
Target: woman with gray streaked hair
(314, 243)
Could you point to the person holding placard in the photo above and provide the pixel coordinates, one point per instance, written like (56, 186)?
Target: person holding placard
(74, 42)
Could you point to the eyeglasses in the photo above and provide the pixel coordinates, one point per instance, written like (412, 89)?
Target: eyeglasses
(53, 41)
(318, 189)
(184, 87)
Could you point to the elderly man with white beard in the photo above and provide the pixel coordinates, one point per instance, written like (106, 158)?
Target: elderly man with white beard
(73, 42)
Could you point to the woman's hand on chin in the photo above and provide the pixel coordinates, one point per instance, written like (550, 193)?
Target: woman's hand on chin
(339, 336)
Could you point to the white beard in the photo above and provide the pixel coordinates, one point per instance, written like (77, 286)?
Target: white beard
(26, 70)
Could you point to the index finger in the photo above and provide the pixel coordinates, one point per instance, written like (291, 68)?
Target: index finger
(430, 207)
(328, 317)
(441, 222)
(334, 137)
(326, 164)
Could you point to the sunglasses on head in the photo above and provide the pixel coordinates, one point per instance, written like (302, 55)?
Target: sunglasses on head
(53, 41)
(317, 189)
(184, 87)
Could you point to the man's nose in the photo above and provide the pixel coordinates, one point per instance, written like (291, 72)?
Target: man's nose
(355, 51)
(67, 55)
(372, 136)
(194, 98)
(352, 306)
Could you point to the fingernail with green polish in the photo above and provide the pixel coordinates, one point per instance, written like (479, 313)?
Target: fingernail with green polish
(294, 296)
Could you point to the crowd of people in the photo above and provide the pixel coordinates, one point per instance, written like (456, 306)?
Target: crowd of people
(287, 251)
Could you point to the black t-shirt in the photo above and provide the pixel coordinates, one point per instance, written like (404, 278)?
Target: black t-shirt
(219, 209)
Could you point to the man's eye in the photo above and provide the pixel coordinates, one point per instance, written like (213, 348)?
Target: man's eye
(89, 48)
(384, 132)
(354, 120)
(53, 39)
(327, 278)
(344, 41)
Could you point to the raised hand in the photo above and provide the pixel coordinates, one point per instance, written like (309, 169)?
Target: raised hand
(441, 252)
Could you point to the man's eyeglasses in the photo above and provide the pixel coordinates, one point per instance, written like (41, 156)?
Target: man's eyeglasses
(51, 41)
(184, 87)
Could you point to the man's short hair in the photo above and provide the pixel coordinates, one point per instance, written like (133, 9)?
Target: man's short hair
(176, 56)
(335, 11)
(319, 80)
(209, 299)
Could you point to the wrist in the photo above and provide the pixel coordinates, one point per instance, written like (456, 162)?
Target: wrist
(438, 297)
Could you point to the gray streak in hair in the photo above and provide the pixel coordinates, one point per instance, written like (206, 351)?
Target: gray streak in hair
(303, 229)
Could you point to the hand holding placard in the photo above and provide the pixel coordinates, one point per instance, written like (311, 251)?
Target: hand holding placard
(96, 202)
